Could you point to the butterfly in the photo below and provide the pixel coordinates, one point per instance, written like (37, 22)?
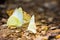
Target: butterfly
(32, 26)
(16, 19)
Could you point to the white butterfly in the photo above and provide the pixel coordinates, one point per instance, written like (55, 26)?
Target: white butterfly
(16, 19)
(32, 26)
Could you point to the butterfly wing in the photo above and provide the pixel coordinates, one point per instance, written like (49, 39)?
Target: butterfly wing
(32, 26)
(16, 19)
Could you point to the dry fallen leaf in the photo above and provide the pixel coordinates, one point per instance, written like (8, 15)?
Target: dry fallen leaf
(10, 12)
(45, 28)
(26, 17)
(58, 36)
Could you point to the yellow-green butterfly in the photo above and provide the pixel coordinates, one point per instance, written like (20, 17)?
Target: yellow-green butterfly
(32, 26)
(16, 19)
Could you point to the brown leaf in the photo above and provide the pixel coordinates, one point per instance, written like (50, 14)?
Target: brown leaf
(58, 36)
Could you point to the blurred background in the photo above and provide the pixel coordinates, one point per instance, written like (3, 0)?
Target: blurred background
(47, 13)
(44, 8)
